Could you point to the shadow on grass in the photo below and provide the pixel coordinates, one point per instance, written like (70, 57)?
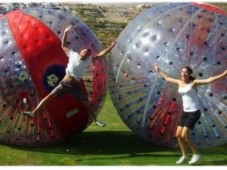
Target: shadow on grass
(114, 143)
(124, 144)
(109, 143)
(219, 162)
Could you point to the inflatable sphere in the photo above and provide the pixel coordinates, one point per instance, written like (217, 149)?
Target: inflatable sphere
(171, 35)
(32, 63)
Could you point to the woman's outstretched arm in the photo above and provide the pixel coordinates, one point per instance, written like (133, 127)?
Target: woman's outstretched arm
(64, 44)
(210, 79)
(165, 75)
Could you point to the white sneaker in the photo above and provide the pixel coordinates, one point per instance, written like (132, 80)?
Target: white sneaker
(182, 159)
(99, 123)
(195, 158)
(29, 113)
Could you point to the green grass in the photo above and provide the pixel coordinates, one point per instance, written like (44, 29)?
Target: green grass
(113, 145)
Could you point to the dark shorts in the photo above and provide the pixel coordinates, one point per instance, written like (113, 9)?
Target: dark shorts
(74, 89)
(189, 119)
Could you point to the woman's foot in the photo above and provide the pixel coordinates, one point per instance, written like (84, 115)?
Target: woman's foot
(182, 160)
(195, 158)
(30, 113)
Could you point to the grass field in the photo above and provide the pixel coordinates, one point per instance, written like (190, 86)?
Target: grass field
(113, 145)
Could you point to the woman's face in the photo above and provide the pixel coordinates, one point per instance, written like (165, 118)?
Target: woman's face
(185, 75)
(85, 53)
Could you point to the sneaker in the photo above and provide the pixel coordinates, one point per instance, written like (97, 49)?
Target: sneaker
(182, 159)
(99, 123)
(195, 158)
(29, 113)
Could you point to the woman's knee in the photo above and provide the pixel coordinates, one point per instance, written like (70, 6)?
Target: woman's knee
(185, 134)
(178, 136)
(179, 133)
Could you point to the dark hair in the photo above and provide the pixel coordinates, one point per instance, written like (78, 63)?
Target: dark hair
(190, 72)
(88, 49)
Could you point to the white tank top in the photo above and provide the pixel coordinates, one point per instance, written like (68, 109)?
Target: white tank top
(189, 98)
(76, 66)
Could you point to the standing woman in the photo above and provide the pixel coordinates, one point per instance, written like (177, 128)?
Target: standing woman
(191, 108)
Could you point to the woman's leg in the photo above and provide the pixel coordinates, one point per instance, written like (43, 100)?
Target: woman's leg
(196, 155)
(186, 136)
(88, 105)
(91, 114)
(181, 140)
(42, 104)
(182, 145)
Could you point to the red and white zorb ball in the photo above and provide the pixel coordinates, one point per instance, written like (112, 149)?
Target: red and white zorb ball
(32, 63)
(172, 36)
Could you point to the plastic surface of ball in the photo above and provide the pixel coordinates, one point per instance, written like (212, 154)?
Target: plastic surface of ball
(172, 36)
(32, 63)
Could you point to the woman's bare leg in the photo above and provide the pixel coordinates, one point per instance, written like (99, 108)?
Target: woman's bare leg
(181, 141)
(186, 136)
(42, 104)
